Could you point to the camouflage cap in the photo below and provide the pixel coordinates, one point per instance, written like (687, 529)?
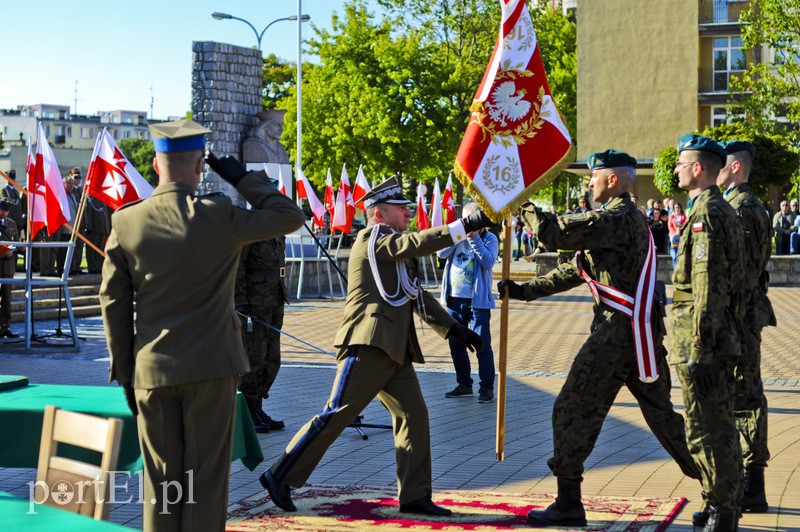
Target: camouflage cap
(690, 141)
(609, 159)
(178, 135)
(733, 146)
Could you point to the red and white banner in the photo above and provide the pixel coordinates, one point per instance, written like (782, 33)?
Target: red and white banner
(111, 178)
(448, 203)
(361, 188)
(304, 191)
(340, 222)
(49, 197)
(516, 142)
(422, 210)
(329, 199)
(436, 205)
(350, 205)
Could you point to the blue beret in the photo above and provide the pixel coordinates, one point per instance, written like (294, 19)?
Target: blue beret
(691, 141)
(733, 146)
(610, 159)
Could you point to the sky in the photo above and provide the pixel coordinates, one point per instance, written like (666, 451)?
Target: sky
(117, 50)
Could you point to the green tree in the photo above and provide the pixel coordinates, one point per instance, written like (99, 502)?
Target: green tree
(278, 78)
(140, 153)
(771, 83)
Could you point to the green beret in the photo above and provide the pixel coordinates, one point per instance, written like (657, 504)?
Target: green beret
(691, 141)
(610, 159)
(733, 146)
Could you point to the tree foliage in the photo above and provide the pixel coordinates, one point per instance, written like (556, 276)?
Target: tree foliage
(140, 153)
(771, 86)
(393, 92)
(278, 76)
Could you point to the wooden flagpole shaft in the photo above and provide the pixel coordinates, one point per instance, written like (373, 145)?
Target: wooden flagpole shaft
(30, 215)
(500, 440)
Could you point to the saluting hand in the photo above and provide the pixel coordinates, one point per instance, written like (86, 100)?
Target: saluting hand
(228, 168)
(466, 336)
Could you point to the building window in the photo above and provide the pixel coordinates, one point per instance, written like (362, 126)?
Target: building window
(115, 119)
(59, 130)
(724, 115)
(729, 59)
(86, 132)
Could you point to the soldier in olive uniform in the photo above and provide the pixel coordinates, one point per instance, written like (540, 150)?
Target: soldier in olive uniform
(708, 280)
(615, 246)
(97, 225)
(174, 255)
(8, 261)
(377, 344)
(750, 403)
(259, 298)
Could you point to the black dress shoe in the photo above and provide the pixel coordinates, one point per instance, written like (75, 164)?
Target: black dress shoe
(274, 424)
(6, 333)
(424, 506)
(279, 492)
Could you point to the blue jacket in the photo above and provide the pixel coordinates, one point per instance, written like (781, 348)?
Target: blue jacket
(485, 247)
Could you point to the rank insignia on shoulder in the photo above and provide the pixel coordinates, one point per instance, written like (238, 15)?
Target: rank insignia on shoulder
(698, 226)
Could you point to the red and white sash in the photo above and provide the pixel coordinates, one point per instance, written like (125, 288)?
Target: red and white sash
(637, 308)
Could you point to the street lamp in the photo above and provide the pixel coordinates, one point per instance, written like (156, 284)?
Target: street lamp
(225, 16)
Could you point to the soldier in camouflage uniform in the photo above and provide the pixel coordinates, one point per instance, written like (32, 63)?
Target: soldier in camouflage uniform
(259, 297)
(750, 403)
(708, 280)
(614, 243)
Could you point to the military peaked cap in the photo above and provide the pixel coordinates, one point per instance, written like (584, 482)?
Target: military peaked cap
(178, 135)
(387, 192)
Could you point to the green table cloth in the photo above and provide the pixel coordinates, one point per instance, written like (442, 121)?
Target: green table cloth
(22, 413)
(17, 514)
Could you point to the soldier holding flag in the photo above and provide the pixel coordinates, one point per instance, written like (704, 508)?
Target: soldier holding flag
(616, 258)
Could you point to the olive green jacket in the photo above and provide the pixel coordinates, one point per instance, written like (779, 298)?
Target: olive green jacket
(368, 319)
(175, 256)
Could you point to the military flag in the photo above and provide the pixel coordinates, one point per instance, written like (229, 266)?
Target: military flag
(111, 178)
(422, 210)
(516, 141)
(48, 201)
(448, 203)
(436, 205)
(361, 188)
(304, 191)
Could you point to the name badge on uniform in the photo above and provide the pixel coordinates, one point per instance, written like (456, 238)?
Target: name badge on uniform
(698, 226)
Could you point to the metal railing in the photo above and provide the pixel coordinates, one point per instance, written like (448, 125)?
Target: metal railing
(723, 11)
(709, 80)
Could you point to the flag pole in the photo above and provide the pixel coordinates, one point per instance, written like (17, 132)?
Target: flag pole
(500, 439)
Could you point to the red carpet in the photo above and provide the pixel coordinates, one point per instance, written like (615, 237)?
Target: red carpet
(358, 507)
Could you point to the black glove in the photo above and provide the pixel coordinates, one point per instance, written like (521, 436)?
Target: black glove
(244, 310)
(130, 399)
(228, 168)
(704, 376)
(477, 220)
(466, 336)
(514, 290)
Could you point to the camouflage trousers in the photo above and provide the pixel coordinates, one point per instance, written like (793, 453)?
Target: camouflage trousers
(713, 438)
(602, 366)
(263, 346)
(750, 403)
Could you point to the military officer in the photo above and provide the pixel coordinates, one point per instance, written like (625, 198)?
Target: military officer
(708, 280)
(616, 257)
(174, 255)
(97, 224)
(16, 211)
(750, 403)
(377, 343)
(259, 298)
(8, 262)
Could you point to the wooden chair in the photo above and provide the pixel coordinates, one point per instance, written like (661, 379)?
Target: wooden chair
(88, 482)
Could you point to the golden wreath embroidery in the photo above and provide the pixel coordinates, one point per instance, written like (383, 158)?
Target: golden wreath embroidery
(499, 177)
(507, 115)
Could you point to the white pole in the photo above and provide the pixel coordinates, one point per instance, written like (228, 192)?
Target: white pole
(299, 159)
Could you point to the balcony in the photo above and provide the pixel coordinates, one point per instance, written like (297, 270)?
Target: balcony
(722, 11)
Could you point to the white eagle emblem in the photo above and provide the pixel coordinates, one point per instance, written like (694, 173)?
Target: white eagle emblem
(508, 103)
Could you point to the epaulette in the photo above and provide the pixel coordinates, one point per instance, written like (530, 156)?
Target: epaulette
(129, 204)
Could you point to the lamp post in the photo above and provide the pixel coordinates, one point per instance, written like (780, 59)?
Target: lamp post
(225, 16)
(299, 158)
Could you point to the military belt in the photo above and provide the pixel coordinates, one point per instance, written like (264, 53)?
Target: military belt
(264, 274)
(682, 295)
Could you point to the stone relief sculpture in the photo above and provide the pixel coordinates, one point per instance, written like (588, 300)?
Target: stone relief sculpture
(262, 144)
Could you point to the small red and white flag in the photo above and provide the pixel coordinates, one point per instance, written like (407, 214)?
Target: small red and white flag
(422, 211)
(111, 178)
(448, 203)
(340, 220)
(49, 197)
(361, 188)
(344, 184)
(516, 142)
(329, 199)
(436, 205)
(304, 191)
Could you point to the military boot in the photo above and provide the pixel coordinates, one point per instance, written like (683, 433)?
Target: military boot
(566, 511)
(754, 499)
(253, 408)
(700, 518)
(722, 520)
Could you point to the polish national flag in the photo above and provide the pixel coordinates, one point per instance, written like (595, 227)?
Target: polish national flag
(422, 211)
(48, 190)
(304, 191)
(329, 198)
(436, 205)
(340, 220)
(111, 178)
(350, 206)
(361, 188)
(448, 203)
